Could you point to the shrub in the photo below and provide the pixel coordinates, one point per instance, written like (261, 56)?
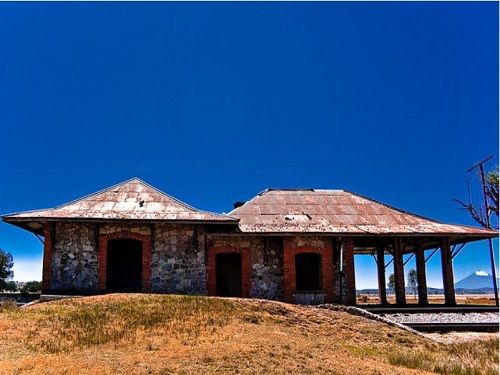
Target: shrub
(31, 287)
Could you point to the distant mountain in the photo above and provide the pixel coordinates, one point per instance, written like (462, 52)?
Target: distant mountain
(477, 280)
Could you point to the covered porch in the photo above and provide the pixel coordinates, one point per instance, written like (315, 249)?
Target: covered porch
(421, 249)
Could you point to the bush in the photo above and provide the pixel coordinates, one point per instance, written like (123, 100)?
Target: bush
(10, 286)
(32, 287)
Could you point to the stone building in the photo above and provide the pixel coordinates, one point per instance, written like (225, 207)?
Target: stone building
(295, 245)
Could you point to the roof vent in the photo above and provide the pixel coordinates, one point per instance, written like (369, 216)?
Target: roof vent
(238, 204)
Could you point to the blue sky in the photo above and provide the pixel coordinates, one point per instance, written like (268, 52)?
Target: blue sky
(212, 103)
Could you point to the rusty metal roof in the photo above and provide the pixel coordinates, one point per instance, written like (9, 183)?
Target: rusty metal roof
(272, 211)
(130, 200)
(336, 211)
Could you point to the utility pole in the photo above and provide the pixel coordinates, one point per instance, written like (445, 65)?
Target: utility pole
(480, 165)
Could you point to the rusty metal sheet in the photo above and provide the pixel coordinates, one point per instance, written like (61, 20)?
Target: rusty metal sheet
(272, 211)
(132, 199)
(336, 211)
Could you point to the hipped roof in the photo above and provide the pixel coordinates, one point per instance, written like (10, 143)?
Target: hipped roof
(339, 212)
(274, 211)
(130, 200)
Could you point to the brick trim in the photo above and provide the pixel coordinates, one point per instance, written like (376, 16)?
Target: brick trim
(102, 257)
(349, 297)
(47, 259)
(245, 268)
(289, 282)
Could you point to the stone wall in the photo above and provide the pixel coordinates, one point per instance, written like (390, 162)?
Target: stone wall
(133, 228)
(266, 262)
(74, 258)
(177, 264)
(267, 280)
(178, 259)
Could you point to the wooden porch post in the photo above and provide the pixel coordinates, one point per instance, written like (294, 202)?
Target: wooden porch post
(422, 280)
(399, 274)
(447, 268)
(381, 276)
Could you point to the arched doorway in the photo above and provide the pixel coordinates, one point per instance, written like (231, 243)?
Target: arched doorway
(228, 275)
(308, 272)
(124, 265)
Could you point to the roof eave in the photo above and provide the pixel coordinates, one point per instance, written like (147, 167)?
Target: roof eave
(10, 220)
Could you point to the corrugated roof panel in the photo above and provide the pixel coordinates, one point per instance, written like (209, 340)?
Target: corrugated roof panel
(133, 199)
(336, 211)
(272, 211)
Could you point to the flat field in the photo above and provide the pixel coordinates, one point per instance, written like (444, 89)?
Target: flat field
(462, 299)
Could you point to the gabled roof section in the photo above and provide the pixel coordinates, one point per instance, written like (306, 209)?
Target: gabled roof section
(129, 200)
(336, 212)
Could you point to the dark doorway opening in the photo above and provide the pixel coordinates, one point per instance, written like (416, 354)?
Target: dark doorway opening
(124, 265)
(308, 272)
(228, 275)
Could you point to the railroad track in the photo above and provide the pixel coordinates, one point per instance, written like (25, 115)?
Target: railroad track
(439, 318)
(427, 309)
(448, 327)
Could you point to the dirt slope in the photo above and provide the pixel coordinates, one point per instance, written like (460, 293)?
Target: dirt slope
(159, 334)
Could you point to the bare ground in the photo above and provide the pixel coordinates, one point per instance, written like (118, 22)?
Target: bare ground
(158, 334)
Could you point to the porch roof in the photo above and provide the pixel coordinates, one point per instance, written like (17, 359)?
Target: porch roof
(338, 212)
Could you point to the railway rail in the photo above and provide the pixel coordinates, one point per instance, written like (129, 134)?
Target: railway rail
(377, 309)
(455, 327)
(439, 318)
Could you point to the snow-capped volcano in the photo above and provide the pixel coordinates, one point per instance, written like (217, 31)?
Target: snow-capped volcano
(481, 273)
(477, 280)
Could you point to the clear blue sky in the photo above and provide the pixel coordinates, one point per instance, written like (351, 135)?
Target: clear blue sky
(214, 102)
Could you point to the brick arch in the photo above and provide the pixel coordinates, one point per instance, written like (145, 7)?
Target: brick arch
(245, 268)
(289, 280)
(102, 257)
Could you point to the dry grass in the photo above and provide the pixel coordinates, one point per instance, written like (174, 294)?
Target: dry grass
(83, 324)
(157, 334)
(8, 305)
(467, 358)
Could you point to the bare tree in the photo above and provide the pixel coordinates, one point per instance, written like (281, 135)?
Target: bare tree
(413, 281)
(391, 284)
(479, 213)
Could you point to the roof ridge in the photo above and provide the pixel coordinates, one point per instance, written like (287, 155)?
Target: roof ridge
(182, 204)
(167, 195)
(287, 189)
(191, 208)
(314, 190)
(95, 193)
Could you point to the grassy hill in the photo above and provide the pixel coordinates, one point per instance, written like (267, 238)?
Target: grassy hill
(160, 334)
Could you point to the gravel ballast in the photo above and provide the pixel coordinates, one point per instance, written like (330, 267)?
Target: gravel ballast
(405, 318)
